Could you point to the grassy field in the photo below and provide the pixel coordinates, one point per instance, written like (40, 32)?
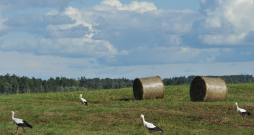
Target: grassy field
(115, 112)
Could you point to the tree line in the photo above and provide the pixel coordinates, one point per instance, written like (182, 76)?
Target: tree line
(229, 79)
(12, 84)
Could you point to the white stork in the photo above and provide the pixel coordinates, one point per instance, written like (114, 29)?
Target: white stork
(19, 122)
(83, 101)
(241, 111)
(150, 126)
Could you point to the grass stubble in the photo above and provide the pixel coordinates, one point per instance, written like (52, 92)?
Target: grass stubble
(115, 112)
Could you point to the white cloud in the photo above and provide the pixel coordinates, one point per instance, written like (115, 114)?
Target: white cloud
(213, 22)
(3, 28)
(173, 39)
(114, 33)
(78, 31)
(229, 39)
(140, 7)
(112, 3)
(227, 21)
(185, 49)
(138, 38)
(67, 47)
(116, 37)
(76, 15)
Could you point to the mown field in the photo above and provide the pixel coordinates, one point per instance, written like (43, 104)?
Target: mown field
(115, 112)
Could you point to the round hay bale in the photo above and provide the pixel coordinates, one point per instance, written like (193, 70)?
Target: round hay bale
(150, 87)
(208, 89)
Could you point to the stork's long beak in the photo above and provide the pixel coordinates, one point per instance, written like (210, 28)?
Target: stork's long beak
(234, 105)
(9, 115)
(139, 118)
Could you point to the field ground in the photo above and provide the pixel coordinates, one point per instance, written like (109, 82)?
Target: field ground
(114, 112)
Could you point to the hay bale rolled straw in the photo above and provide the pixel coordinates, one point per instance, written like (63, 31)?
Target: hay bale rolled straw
(208, 89)
(150, 87)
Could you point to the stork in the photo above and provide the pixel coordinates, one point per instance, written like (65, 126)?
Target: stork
(19, 122)
(83, 101)
(150, 126)
(241, 111)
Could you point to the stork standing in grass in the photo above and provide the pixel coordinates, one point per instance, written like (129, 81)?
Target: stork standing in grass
(242, 112)
(19, 122)
(83, 101)
(150, 126)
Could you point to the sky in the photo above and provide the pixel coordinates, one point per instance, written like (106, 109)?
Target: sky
(125, 38)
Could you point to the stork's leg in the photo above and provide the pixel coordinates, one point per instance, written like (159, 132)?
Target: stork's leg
(245, 117)
(17, 130)
(242, 117)
(24, 130)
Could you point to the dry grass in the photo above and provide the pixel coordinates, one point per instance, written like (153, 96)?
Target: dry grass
(114, 112)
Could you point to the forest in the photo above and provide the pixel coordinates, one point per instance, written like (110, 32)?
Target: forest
(13, 84)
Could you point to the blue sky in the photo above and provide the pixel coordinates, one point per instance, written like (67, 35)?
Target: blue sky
(124, 38)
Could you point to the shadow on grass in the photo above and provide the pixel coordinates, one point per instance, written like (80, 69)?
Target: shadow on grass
(124, 99)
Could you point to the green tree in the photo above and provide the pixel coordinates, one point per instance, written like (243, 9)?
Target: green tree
(7, 87)
(82, 82)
